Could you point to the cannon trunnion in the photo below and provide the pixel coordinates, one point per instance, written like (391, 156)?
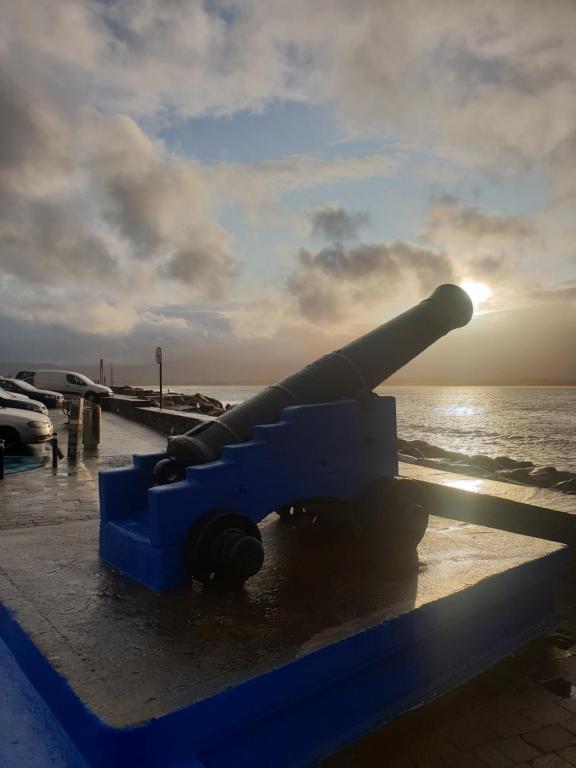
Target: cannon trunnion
(319, 443)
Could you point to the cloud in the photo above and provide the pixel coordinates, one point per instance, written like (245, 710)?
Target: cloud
(562, 293)
(151, 57)
(487, 245)
(335, 283)
(447, 213)
(337, 225)
(88, 199)
(160, 204)
(256, 184)
(87, 196)
(33, 137)
(101, 225)
(476, 81)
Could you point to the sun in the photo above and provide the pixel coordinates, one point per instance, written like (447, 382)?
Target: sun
(478, 292)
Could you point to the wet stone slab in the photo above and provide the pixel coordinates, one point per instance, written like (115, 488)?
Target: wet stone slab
(524, 494)
(49, 497)
(132, 654)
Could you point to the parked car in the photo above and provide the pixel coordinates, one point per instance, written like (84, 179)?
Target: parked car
(50, 399)
(14, 400)
(18, 426)
(66, 382)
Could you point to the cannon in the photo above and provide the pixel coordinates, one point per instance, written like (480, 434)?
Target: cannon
(319, 442)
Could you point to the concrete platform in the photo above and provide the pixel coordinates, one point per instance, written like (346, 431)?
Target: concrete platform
(543, 498)
(325, 631)
(511, 507)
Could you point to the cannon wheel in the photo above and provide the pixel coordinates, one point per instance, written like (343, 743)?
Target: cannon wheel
(394, 510)
(223, 546)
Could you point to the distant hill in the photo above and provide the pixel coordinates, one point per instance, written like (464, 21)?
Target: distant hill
(253, 372)
(487, 382)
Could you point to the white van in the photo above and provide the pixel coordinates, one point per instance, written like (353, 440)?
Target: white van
(66, 382)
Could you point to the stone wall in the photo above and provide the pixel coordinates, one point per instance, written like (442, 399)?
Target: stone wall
(166, 421)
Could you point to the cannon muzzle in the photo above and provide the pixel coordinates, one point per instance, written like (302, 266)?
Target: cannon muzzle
(359, 366)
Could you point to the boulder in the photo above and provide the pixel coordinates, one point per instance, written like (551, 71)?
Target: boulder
(566, 486)
(562, 475)
(505, 462)
(430, 451)
(453, 455)
(407, 458)
(545, 477)
(411, 450)
(464, 468)
(481, 460)
(518, 475)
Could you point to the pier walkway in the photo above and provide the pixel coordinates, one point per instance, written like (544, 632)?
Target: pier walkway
(520, 713)
(44, 496)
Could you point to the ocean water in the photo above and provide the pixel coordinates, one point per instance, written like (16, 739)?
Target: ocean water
(535, 423)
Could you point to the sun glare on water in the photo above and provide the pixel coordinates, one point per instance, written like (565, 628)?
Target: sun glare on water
(478, 292)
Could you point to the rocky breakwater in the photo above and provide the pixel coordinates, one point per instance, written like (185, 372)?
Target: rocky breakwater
(198, 403)
(493, 468)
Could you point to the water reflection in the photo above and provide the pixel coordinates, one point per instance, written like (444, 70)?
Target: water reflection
(462, 410)
(473, 486)
(536, 423)
(20, 457)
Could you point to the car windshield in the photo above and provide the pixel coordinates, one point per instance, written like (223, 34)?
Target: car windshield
(5, 393)
(22, 385)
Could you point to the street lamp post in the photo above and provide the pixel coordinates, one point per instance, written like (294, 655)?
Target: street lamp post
(159, 361)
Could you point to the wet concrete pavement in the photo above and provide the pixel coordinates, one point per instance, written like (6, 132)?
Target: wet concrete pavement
(525, 494)
(45, 496)
(132, 654)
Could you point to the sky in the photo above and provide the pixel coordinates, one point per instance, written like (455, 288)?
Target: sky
(252, 184)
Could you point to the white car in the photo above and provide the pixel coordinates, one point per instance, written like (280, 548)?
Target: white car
(18, 426)
(16, 400)
(66, 382)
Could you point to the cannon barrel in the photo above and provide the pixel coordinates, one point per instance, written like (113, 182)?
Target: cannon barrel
(361, 365)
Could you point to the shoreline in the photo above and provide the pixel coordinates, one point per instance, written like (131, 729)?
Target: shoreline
(420, 452)
(486, 467)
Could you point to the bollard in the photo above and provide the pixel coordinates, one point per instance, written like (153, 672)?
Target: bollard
(91, 426)
(54, 444)
(87, 426)
(75, 428)
(2, 459)
(96, 422)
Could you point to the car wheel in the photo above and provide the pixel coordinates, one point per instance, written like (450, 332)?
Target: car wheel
(10, 436)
